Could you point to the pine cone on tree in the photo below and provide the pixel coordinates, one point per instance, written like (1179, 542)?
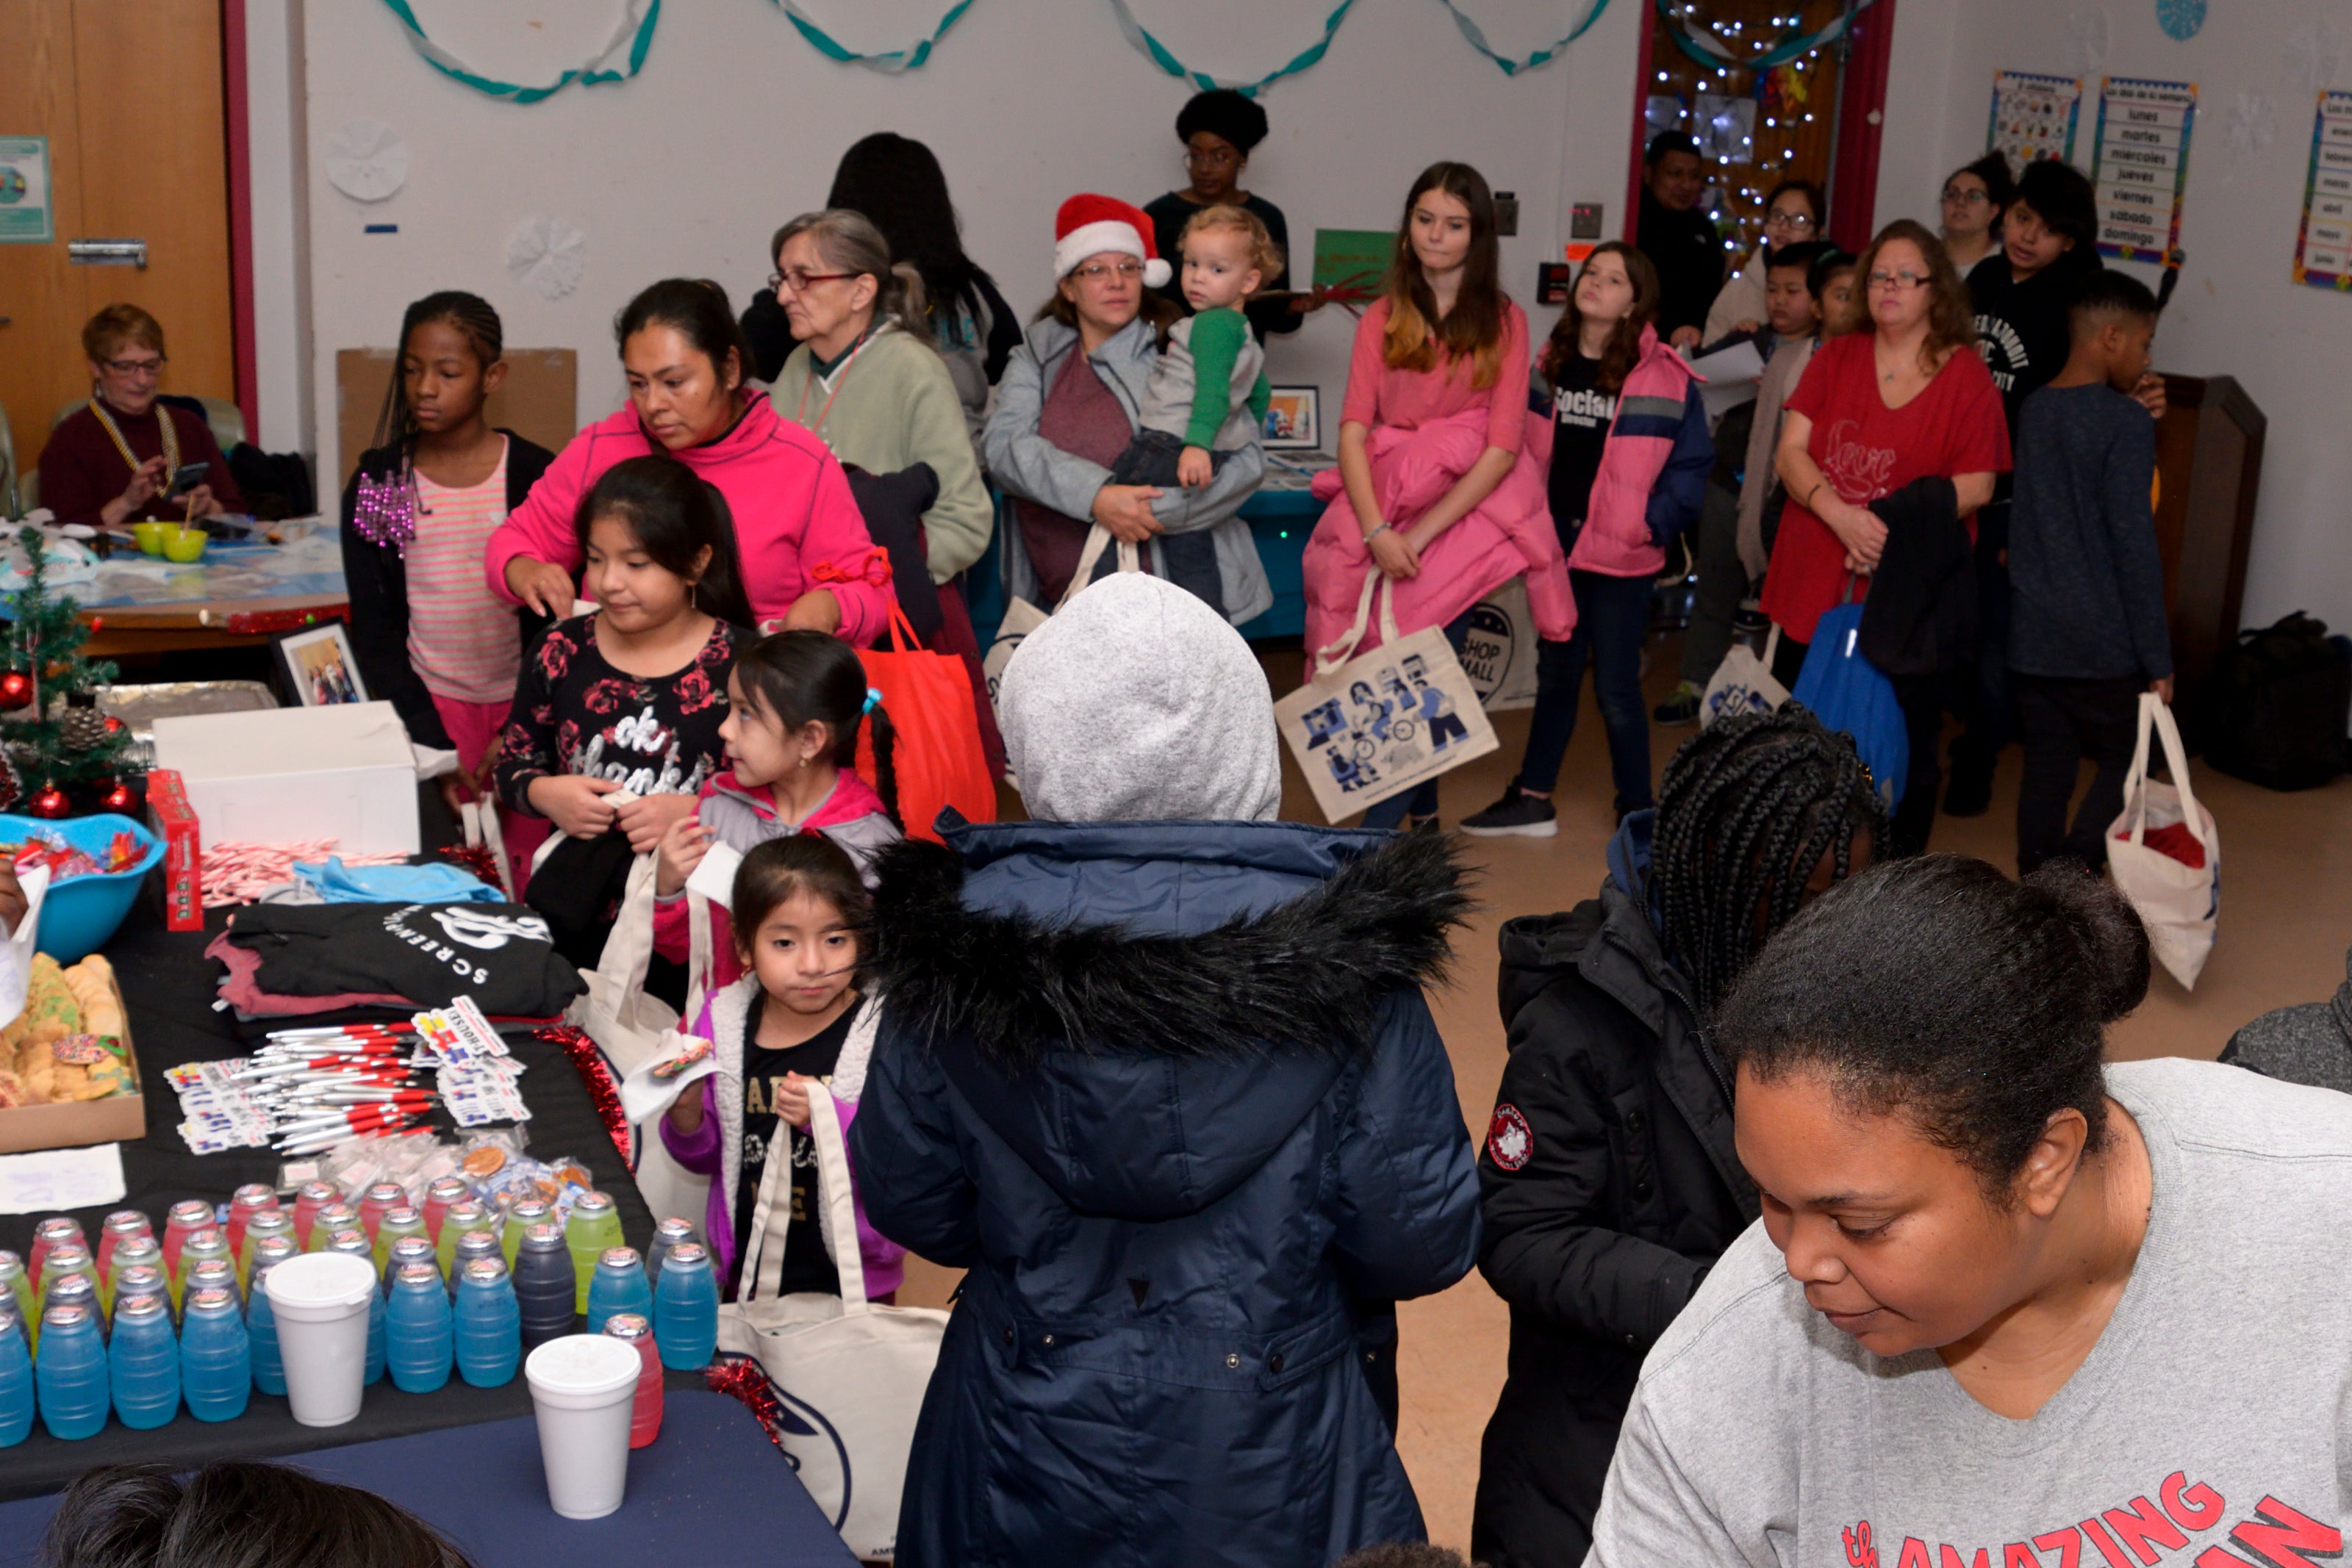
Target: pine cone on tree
(83, 727)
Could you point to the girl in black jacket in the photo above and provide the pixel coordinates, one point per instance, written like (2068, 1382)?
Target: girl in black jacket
(1609, 1180)
(432, 637)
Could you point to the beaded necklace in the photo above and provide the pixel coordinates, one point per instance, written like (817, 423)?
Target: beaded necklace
(162, 418)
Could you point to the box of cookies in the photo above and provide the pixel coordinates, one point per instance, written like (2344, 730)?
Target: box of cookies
(67, 1074)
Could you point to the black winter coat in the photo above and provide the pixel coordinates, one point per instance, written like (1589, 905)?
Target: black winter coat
(1610, 1185)
(376, 578)
(1170, 1091)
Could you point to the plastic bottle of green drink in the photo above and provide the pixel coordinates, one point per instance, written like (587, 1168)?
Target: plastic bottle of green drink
(531, 1211)
(593, 1225)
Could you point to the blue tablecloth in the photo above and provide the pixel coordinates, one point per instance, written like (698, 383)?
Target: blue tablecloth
(710, 1490)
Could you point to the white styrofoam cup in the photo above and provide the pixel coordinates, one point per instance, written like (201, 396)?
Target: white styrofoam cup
(582, 1386)
(319, 1301)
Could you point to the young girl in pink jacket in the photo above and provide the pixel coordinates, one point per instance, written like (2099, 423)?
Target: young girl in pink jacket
(807, 558)
(1434, 490)
(1629, 454)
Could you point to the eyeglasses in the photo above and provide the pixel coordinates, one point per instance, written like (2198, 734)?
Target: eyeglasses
(1903, 280)
(1799, 222)
(1216, 158)
(800, 280)
(154, 367)
(1096, 271)
(1955, 195)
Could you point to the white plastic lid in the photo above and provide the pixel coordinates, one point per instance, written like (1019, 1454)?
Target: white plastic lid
(320, 1285)
(583, 1370)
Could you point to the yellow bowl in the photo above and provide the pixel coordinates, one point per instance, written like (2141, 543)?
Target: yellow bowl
(184, 544)
(151, 536)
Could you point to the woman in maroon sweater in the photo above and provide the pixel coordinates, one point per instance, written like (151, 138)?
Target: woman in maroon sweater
(112, 461)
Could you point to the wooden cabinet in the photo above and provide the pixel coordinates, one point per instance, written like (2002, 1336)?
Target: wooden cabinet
(2209, 462)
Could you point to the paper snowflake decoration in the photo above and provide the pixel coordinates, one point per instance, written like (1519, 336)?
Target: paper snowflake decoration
(2314, 53)
(2251, 125)
(547, 255)
(2089, 33)
(2182, 19)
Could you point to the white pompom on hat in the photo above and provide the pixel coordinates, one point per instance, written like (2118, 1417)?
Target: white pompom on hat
(1089, 224)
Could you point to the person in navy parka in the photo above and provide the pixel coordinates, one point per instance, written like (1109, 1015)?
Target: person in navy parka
(1159, 1075)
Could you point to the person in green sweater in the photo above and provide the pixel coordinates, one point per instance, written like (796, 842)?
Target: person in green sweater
(877, 394)
(1208, 394)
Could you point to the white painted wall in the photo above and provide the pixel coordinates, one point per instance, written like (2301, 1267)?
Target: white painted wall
(735, 123)
(2236, 311)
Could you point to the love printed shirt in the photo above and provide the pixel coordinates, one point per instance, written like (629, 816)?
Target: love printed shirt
(2210, 1426)
(575, 712)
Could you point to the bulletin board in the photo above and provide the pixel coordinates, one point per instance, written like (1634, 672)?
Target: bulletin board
(2033, 116)
(2141, 166)
(2323, 247)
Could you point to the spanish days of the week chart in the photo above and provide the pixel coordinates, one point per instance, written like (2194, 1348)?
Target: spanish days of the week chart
(2141, 164)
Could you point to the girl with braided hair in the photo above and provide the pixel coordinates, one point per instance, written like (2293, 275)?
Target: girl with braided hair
(430, 636)
(1609, 1181)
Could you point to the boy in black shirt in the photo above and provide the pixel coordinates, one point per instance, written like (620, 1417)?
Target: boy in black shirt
(2088, 633)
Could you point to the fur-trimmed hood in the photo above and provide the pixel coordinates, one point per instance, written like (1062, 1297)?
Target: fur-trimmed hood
(1147, 1010)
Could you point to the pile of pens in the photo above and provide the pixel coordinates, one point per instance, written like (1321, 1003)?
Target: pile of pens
(305, 1090)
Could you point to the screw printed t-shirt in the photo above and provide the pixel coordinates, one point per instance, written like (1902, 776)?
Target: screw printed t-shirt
(574, 712)
(808, 1265)
(1867, 450)
(2210, 1426)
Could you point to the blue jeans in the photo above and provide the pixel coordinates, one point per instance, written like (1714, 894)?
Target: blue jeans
(1612, 616)
(1422, 801)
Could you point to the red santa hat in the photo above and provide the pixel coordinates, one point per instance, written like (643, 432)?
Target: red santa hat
(1090, 225)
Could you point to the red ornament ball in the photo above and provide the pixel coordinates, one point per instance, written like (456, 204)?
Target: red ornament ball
(50, 802)
(97, 624)
(15, 690)
(118, 798)
(113, 725)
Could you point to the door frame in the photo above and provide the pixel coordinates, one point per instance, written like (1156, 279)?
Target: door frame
(240, 216)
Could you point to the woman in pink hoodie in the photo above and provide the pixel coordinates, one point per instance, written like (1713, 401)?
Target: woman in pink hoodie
(1628, 455)
(1434, 490)
(807, 559)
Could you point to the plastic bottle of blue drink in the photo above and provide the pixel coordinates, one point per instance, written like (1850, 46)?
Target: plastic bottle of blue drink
(488, 1329)
(618, 1285)
(666, 1235)
(416, 1337)
(61, 1290)
(142, 1363)
(215, 1356)
(354, 1241)
(468, 1248)
(16, 1398)
(404, 1250)
(69, 1375)
(685, 1308)
(543, 1283)
(260, 1321)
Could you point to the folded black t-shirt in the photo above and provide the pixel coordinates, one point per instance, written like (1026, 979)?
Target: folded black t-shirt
(432, 954)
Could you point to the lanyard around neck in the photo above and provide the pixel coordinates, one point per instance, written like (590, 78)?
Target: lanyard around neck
(162, 419)
(834, 382)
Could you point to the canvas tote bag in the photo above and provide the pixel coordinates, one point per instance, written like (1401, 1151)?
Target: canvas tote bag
(1020, 617)
(849, 1375)
(1367, 726)
(1743, 683)
(2180, 904)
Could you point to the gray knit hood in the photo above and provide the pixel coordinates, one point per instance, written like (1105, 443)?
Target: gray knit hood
(1136, 702)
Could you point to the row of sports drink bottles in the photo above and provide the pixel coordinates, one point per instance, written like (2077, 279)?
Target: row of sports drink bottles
(141, 1326)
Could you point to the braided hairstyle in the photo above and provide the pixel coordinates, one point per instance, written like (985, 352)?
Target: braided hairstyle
(476, 321)
(1748, 809)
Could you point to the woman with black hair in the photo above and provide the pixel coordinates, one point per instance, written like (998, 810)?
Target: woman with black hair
(1219, 129)
(1975, 197)
(2007, 1304)
(234, 1514)
(1610, 1183)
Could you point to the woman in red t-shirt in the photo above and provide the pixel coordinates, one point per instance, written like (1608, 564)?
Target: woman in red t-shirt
(1875, 410)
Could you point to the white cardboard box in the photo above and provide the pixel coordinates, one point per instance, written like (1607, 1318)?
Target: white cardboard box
(280, 776)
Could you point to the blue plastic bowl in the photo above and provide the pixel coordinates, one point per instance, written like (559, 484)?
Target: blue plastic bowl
(79, 915)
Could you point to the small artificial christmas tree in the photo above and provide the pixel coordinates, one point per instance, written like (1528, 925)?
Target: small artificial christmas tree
(52, 741)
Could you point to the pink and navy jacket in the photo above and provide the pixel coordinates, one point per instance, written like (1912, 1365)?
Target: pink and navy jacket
(1654, 466)
(716, 1149)
(797, 526)
(852, 815)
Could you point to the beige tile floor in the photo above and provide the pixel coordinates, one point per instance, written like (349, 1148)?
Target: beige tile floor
(2287, 921)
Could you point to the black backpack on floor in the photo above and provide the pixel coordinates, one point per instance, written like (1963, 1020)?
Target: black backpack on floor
(2275, 706)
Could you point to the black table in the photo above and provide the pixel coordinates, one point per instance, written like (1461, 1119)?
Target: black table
(168, 991)
(710, 1489)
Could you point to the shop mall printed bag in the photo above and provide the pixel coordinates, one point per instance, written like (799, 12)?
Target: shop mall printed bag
(1498, 653)
(1743, 684)
(1847, 693)
(939, 759)
(849, 1374)
(1367, 726)
(2180, 904)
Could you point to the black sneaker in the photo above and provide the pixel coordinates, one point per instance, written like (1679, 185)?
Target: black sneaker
(1517, 815)
(1680, 708)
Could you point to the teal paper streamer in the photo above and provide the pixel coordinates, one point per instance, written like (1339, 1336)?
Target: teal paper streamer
(1477, 38)
(1713, 54)
(630, 40)
(890, 62)
(1158, 53)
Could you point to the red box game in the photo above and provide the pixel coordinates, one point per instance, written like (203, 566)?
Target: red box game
(183, 855)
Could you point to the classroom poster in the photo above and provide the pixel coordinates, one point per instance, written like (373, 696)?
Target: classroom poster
(2033, 116)
(25, 191)
(2322, 249)
(2140, 164)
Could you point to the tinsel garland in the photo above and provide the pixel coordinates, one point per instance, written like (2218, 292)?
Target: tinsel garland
(742, 1379)
(603, 1090)
(478, 859)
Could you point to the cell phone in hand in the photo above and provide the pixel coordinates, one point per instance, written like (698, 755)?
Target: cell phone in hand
(186, 478)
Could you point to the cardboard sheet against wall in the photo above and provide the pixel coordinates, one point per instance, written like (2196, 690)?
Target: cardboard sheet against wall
(539, 400)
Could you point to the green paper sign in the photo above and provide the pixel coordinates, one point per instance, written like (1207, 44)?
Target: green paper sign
(1355, 259)
(25, 189)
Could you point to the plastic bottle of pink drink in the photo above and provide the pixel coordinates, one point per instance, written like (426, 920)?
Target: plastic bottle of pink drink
(646, 1416)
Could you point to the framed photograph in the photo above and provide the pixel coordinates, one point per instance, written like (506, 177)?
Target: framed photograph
(1293, 419)
(320, 667)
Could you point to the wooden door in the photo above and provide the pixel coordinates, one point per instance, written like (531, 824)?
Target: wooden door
(129, 93)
